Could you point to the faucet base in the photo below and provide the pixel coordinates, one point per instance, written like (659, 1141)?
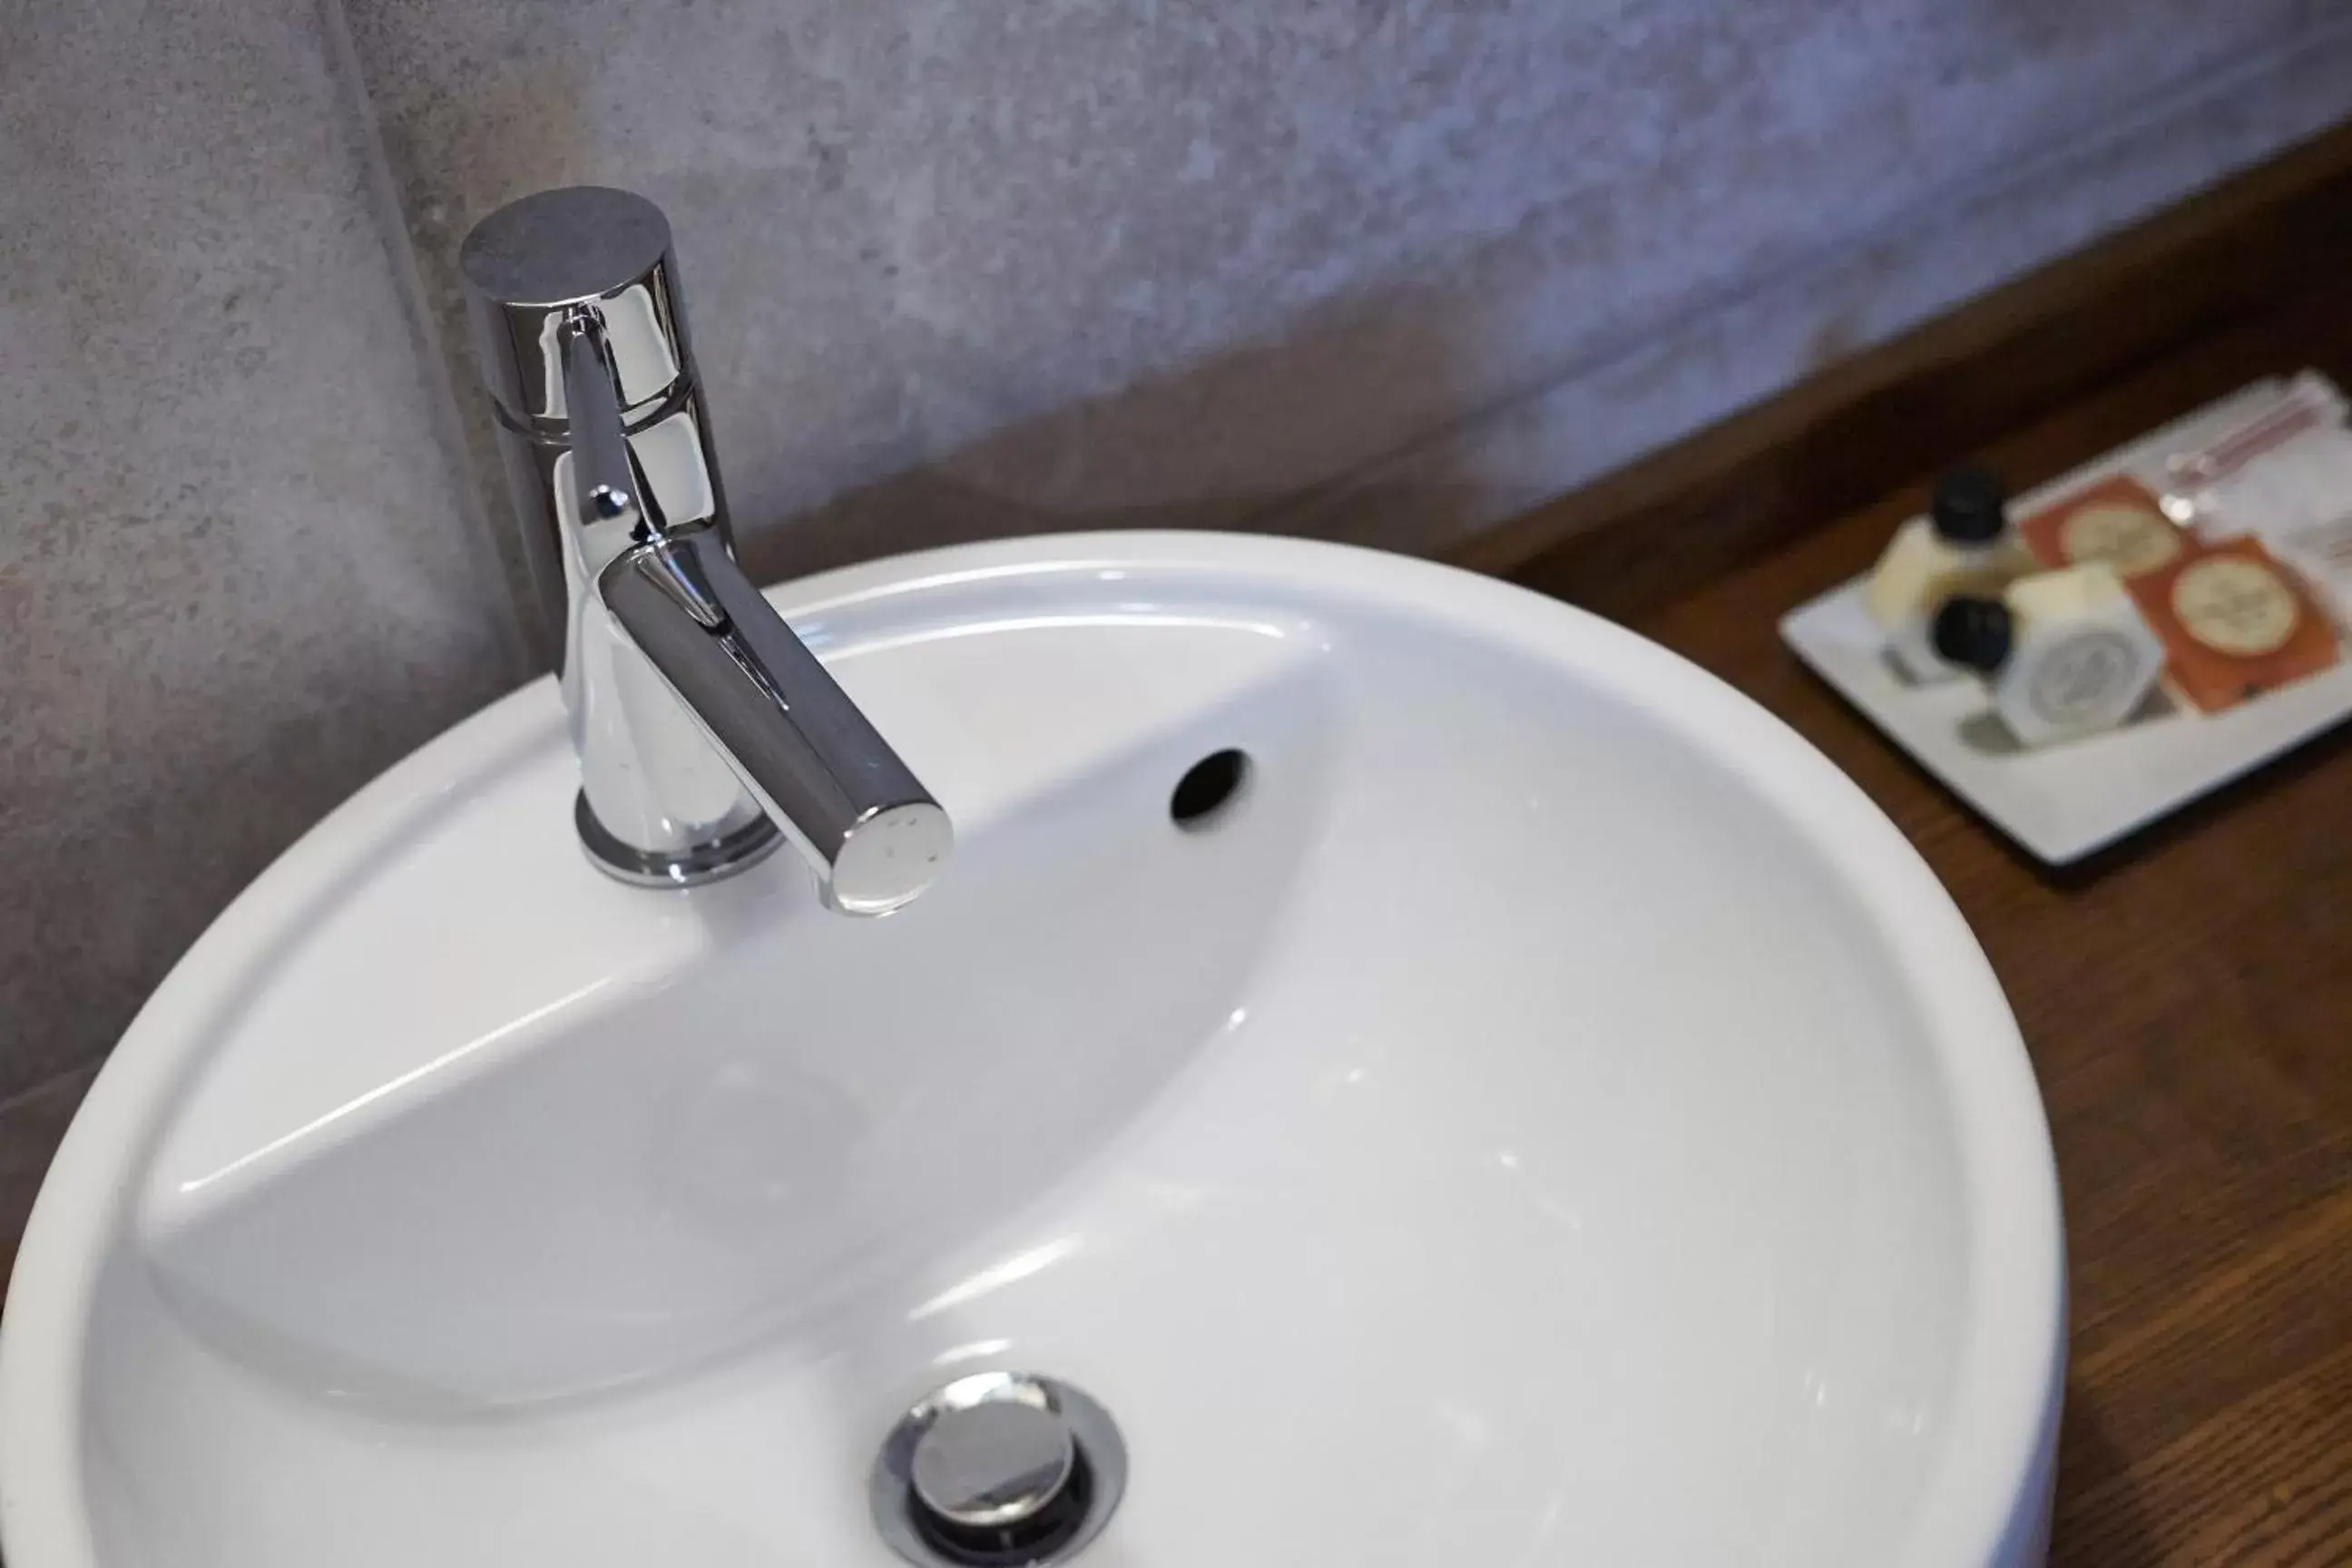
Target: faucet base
(689, 867)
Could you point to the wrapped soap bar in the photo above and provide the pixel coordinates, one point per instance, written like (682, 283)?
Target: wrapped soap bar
(2118, 521)
(2236, 624)
(2283, 476)
(2066, 653)
(2321, 554)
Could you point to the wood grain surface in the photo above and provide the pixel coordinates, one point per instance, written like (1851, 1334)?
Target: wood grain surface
(2186, 998)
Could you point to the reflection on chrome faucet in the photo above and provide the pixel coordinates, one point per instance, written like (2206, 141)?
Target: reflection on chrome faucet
(705, 730)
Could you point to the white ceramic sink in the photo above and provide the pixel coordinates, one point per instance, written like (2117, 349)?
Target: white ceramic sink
(1547, 1117)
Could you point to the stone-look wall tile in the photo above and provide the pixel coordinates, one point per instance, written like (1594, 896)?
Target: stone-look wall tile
(966, 269)
(32, 1125)
(239, 572)
(1441, 492)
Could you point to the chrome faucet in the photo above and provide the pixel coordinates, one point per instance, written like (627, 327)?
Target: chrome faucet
(706, 730)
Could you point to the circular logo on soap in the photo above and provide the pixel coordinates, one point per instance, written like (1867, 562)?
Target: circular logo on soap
(2076, 684)
(2133, 537)
(2237, 607)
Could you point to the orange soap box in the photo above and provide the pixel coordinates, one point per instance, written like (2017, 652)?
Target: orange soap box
(2234, 620)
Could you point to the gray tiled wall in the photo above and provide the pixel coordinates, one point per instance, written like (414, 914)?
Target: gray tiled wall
(996, 267)
(1377, 268)
(238, 574)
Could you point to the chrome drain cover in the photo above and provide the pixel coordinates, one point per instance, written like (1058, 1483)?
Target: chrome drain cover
(1000, 1469)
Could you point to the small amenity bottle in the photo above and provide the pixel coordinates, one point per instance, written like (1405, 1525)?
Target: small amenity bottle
(1963, 546)
(2067, 653)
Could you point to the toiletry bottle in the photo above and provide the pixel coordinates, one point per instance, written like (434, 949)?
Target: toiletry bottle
(1964, 545)
(2067, 653)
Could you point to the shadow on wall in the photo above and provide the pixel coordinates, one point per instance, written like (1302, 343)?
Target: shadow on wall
(1221, 446)
(1237, 440)
(957, 274)
(1224, 442)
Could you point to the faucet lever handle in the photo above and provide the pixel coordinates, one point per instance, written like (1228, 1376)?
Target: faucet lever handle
(603, 474)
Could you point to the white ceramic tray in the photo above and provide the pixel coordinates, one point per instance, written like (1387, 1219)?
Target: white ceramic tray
(2064, 802)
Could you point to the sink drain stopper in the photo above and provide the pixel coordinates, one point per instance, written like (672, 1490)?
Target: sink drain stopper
(998, 1470)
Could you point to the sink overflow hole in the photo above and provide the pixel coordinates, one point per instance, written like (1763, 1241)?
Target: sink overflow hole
(1208, 789)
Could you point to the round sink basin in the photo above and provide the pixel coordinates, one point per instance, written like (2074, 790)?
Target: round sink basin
(1450, 1082)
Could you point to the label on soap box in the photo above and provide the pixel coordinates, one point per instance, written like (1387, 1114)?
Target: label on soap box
(2118, 521)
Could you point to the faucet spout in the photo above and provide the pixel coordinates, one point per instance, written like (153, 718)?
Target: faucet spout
(707, 731)
(799, 744)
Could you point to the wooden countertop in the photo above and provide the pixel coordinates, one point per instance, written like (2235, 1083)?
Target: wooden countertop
(2187, 1002)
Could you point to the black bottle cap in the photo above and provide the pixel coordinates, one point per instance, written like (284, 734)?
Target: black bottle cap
(1973, 632)
(1971, 505)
